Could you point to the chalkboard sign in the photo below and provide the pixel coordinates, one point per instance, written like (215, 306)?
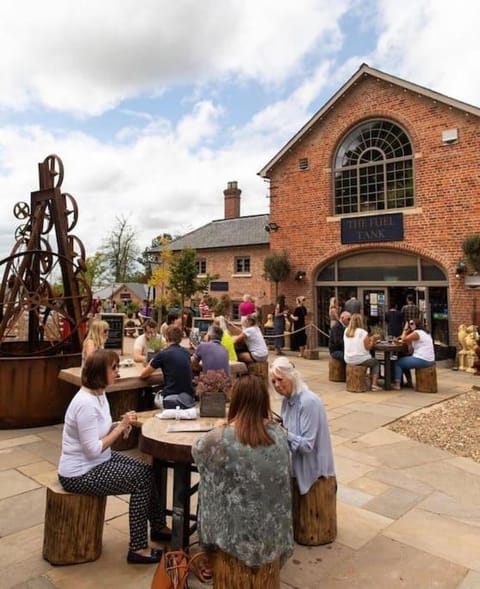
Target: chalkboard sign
(115, 334)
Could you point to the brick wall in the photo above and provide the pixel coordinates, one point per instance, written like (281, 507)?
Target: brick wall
(446, 188)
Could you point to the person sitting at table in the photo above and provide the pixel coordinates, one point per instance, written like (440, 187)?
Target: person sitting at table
(423, 356)
(89, 466)
(250, 345)
(358, 344)
(173, 318)
(141, 343)
(336, 345)
(211, 355)
(305, 419)
(175, 363)
(227, 340)
(244, 492)
(96, 337)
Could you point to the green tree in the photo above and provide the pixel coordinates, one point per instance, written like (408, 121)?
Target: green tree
(471, 248)
(277, 268)
(149, 257)
(121, 251)
(182, 278)
(96, 272)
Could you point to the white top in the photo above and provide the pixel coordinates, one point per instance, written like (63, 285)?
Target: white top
(87, 420)
(355, 350)
(423, 347)
(255, 343)
(141, 343)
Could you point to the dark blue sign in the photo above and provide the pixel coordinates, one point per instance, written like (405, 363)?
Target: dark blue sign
(219, 286)
(387, 227)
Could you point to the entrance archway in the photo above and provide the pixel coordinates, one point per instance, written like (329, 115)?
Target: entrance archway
(381, 278)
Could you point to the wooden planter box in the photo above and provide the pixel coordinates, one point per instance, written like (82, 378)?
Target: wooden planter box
(213, 405)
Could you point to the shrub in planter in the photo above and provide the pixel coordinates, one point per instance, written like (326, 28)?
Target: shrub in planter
(471, 248)
(213, 389)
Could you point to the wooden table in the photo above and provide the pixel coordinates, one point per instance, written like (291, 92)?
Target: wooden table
(123, 395)
(173, 450)
(388, 349)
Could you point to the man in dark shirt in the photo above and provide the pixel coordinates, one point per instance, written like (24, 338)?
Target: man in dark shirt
(410, 310)
(335, 343)
(177, 371)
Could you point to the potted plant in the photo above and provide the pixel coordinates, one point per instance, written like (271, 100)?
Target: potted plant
(154, 345)
(213, 390)
(130, 328)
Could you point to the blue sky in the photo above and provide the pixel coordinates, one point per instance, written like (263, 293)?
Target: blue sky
(154, 106)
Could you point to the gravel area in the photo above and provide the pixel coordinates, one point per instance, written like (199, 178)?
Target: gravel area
(452, 425)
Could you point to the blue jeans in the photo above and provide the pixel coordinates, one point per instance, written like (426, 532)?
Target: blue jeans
(406, 363)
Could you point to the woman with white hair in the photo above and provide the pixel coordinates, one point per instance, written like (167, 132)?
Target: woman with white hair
(308, 438)
(305, 420)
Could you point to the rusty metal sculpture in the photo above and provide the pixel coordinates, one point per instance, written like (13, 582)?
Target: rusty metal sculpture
(44, 298)
(44, 305)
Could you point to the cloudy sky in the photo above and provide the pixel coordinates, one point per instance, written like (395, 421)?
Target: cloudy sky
(154, 106)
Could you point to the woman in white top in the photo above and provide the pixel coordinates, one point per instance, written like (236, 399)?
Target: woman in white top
(423, 356)
(89, 466)
(357, 348)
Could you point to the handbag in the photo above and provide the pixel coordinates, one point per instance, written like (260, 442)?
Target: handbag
(171, 571)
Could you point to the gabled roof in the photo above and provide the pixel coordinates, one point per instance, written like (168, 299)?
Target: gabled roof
(240, 231)
(366, 70)
(140, 290)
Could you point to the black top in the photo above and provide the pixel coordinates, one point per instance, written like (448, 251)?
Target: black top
(335, 343)
(177, 370)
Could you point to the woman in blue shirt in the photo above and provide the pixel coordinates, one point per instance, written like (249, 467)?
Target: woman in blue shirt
(305, 420)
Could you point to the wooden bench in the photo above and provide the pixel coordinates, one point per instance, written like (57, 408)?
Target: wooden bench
(315, 513)
(357, 379)
(336, 370)
(73, 526)
(231, 573)
(426, 379)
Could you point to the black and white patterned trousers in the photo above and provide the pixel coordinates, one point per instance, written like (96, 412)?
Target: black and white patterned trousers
(119, 476)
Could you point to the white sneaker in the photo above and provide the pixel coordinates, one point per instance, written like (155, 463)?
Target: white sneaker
(375, 388)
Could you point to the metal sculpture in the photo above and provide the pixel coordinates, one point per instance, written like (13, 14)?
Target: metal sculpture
(44, 297)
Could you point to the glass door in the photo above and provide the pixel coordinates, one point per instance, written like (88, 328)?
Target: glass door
(374, 304)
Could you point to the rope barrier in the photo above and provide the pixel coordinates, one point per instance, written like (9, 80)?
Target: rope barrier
(310, 325)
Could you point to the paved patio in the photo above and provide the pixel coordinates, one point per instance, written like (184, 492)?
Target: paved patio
(408, 514)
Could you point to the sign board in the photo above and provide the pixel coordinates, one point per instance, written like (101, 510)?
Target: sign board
(202, 324)
(115, 334)
(387, 227)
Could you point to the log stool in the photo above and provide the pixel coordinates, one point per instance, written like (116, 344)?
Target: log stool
(260, 369)
(426, 379)
(357, 379)
(336, 370)
(73, 526)
(315, 514)
(231, 573)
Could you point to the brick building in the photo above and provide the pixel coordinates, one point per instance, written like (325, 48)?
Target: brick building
(375, 194)
(233, 248)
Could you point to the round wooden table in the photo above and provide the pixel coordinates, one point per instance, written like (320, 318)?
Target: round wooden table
(172, 449)
(389, 348)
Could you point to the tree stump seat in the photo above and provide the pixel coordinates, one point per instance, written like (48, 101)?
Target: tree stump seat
(237, 368)
(357, 379)
(73, 526)
(231, 573)
(336, 370)
(260, 369)
(315, 514)
(426, 379)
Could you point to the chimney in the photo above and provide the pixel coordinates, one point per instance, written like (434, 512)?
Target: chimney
(232, 200)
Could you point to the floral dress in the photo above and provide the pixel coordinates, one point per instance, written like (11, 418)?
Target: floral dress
(245, 496)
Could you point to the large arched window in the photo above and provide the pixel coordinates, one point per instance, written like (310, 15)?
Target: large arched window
(374, 169)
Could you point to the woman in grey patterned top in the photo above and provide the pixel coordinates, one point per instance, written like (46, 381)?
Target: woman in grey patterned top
(244, 494)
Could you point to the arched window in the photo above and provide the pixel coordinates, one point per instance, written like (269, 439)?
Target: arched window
(374, 169)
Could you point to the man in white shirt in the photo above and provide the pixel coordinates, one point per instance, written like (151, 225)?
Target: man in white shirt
(141, 344)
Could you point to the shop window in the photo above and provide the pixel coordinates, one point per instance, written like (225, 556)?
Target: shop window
(242, 265)
(373, 169)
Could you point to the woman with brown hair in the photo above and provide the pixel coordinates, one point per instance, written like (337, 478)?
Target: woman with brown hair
(244, 492)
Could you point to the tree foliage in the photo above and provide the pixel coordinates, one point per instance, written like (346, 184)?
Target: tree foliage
(97, 269)
(277, 268)
(121, 251)
(183, 275)
(471, 248)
